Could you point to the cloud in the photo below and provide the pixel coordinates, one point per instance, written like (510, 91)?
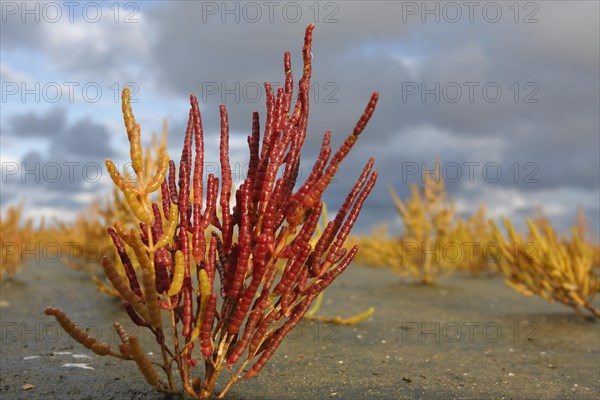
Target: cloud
(52, 186)
(85, 139)
(10, 74)
(82, 140)
(52, 181)
(187, 58)
(32, 124)
(86, 48)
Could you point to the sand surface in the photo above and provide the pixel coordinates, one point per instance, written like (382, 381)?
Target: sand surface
(465, 338)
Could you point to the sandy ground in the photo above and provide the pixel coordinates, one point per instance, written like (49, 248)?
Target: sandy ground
(465, 339)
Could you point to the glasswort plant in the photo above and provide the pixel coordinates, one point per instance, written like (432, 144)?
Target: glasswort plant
(224, 291)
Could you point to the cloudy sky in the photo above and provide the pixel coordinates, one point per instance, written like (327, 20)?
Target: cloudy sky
(505, 94)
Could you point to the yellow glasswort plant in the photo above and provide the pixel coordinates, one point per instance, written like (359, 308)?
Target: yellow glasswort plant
(378, 248)
(84, 242)
(427, 216)
(435, 240)
(227, 295)
(16, 237)
(591, 238)
(472, 239)
(544, 265)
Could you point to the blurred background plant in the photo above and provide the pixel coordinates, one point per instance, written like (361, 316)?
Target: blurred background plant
(85, 241)
(435, 240)
(543, 264)
(473, 240)
(16, 238)
(426, 217)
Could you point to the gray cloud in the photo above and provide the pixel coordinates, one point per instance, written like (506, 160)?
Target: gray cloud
(243, 54)
(556, 134)
(69, 175)
(86, 138)
(85, 48)
(46, 175)
(82, 141)
(35, 125)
